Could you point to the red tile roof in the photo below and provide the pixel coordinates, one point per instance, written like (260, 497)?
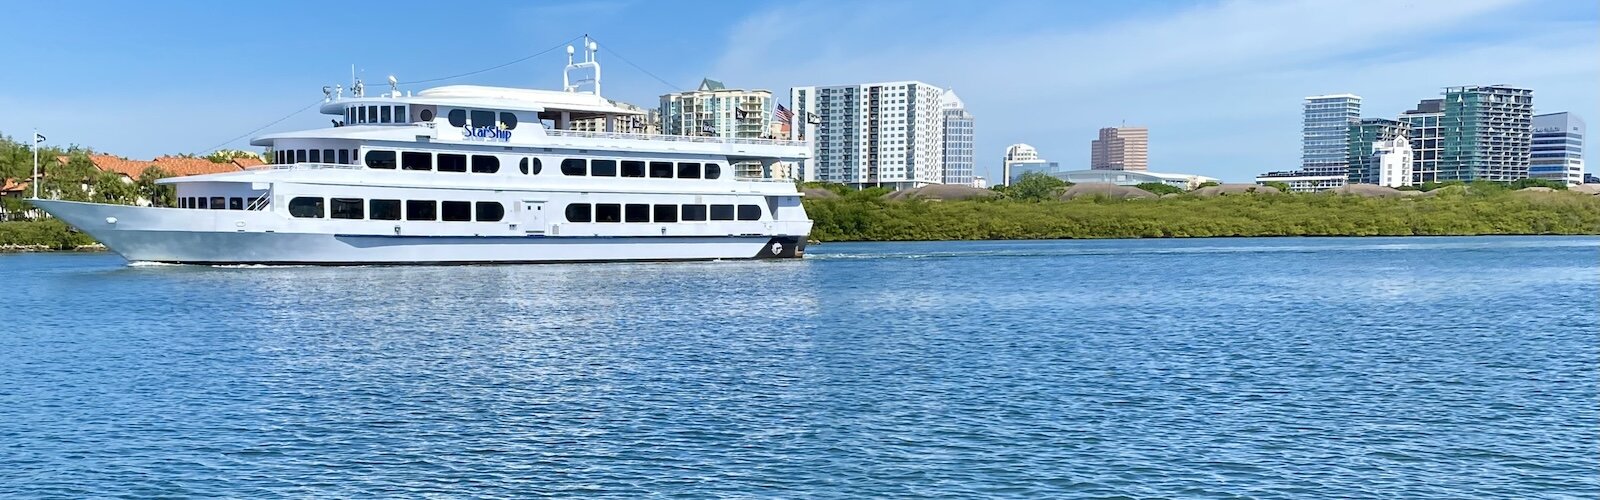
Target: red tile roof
(248, 162)
(12, 186)
(180, 167)
(175, 165)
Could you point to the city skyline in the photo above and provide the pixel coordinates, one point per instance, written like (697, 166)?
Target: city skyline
(185, 80)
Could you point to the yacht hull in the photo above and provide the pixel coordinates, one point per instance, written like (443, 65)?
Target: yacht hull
(144, 234)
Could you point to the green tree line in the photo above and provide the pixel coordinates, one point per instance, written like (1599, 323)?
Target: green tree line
(1025, 213)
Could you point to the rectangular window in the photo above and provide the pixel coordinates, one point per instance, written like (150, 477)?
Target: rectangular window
(603, 168)
(316, 156)
(235, 203)
(384, 209)
(665, 213)
(400, 114)
(574, 166)
(386, 117)
(481, 118)
(345, 208)
(749, 212)
(200, 202)
(344, 157)
(688, 170)
(372, 114)
(327, 155)
(694, 213)
(489, 211)
(578, 212)
(422, 210)
(299, 156)
(415, 160)
(722, 212)
(632, 168)
(455, 211)
(449, 162)
(219, 203)
(485, 164)
(661, 169)
(608, 212)
(305, 207)
(380, 159)
(637, 212)
(183, 203)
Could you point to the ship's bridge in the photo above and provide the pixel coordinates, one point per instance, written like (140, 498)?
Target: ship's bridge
(480, 106)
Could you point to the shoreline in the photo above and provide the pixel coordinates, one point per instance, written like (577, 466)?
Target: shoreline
(96, 248)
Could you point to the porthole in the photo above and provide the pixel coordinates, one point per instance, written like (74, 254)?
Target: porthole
(426, 115)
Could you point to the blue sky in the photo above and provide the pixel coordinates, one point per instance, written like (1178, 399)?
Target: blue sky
(1218, 82)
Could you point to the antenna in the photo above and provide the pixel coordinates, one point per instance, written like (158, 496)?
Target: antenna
(590, 82)
(394, 85)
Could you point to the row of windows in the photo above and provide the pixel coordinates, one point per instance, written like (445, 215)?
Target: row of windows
(640, 212)
(376, 114)
(312, 207)
(213, 203)
(488, 164)
(637, 168)
(288, 156)
(481, 118)
(443, 162)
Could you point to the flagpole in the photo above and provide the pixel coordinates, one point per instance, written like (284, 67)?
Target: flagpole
(35, 140)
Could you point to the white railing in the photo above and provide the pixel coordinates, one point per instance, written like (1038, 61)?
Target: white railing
(306, 166)
(673, 138)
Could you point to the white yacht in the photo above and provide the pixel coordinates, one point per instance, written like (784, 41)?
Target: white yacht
(471, 174)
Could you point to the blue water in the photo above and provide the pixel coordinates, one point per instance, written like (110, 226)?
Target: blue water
(1414, 367)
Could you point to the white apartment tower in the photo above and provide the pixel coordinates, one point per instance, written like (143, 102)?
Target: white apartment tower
(958, 143)
(1392, 158)
(872, 135)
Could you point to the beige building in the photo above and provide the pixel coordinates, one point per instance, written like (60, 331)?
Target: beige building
(1121, 148)
(647, 122)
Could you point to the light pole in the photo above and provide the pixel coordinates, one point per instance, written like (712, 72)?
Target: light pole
(36, 140)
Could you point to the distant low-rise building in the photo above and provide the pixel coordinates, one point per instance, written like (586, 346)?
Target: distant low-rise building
(1133, 178)
(1301, 181)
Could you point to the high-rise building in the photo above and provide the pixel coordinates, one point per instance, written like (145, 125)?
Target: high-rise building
(1120, 148)
(713, 110)
(1488, 133)
(1557, 152)
(958, 143)
(1363, 135)
(1425, 133)
(1021, 159)
(876, 134)
(1391, 162)
(1325, 146)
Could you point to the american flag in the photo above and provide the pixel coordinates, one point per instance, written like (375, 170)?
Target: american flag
(782, 114)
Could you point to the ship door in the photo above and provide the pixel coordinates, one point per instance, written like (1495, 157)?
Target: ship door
(533, 217)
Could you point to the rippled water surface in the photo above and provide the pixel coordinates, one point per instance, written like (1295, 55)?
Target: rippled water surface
(1416, 367)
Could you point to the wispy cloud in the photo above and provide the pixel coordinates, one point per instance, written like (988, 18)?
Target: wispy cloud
(1219, 82)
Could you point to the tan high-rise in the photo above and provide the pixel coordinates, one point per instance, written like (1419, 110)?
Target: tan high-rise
(1121, 148)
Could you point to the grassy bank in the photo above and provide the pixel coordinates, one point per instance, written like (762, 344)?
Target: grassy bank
(868, 218)
(47, 234)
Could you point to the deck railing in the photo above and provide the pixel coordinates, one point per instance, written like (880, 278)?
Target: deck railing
(305, 166)
(673, 138)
